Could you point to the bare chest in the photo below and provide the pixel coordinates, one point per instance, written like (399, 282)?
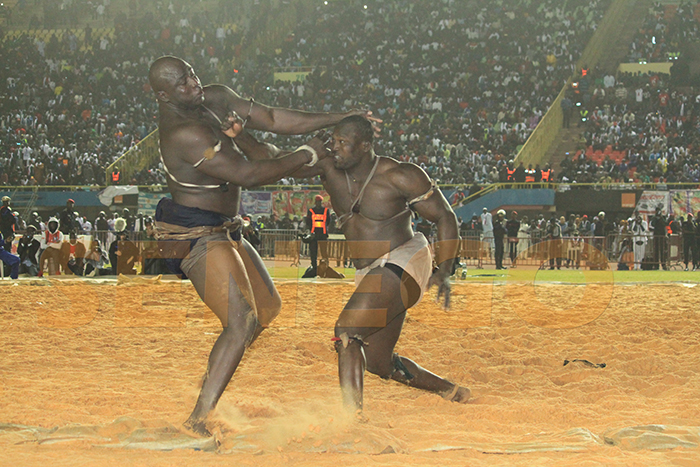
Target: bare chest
(378, 201)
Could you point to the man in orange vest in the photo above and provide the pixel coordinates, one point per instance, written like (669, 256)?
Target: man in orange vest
(529, 174)
(510, 171)
(317, 221)
(547, 174)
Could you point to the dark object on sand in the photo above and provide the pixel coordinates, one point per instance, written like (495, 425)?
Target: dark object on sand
(585, 362)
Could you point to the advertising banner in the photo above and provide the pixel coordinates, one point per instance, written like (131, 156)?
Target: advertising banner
(254, 203)
(296, 203)
(650, 200)
(684, 202)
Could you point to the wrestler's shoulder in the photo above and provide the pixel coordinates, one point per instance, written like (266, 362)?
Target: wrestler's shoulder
(217, 90)
(402, 171)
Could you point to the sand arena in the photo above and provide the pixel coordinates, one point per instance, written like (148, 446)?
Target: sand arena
(95, 373)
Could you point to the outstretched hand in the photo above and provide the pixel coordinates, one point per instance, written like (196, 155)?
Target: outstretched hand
(232, 125)
(376, 122)
(442, 281)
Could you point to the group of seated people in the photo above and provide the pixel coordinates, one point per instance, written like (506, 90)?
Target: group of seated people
(667, 27)
(76, 100)
(54, 253)
(113, 246)
(648, 135)
(70, 109)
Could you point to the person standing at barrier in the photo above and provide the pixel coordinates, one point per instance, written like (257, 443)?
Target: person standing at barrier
(512, 230)
(123, 253)
(658, 226)
(102, 227)
(600, 229)
(68, 218)
(374, 198)
(524, 241)
(689, 253)
(317, 221)
(487, 230)
(554, 237)
(499, 234)
(208, 157)
(639, 230)
(7, 223)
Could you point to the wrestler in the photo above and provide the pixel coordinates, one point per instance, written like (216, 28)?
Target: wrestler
(374, 198)
(206, 169)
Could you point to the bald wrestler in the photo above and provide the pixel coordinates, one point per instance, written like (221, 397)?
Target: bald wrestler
(208, 157)
(374, 198)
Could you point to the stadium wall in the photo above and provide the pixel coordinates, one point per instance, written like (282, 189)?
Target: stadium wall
(530, 199)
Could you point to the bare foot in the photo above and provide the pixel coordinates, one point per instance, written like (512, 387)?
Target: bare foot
(458, 394)
(196, 428)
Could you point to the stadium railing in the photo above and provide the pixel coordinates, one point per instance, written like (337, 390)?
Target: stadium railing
(660, 252)
(140, 157)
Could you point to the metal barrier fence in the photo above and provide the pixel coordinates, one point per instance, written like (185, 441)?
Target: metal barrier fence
(616, 251)
(534, 250)
(282, 245)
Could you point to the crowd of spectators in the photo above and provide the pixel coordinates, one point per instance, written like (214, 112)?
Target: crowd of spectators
(638, 127)
(72, 102)
(123, 244)
(459, 85)
(666, 29)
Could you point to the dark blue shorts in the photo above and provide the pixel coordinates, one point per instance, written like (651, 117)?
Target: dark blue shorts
(174, 251)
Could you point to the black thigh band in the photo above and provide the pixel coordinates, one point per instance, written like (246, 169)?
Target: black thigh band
(408, 281)
(396, 269)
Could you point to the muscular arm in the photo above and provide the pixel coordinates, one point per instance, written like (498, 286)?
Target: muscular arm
(198, 141)
(274, 119)
(412, 182)
(255, 150)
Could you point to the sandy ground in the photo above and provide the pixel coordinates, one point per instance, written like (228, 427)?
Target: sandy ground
(84, 381)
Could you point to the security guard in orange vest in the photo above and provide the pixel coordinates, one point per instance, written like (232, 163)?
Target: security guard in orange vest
(547, 174)
(529, 174)
(317, 221)
(510, 171)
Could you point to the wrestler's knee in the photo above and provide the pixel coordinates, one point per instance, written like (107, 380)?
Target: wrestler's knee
(382, 368)
(349, 344)
(269, 310)
(379, 361)
(242, 326)
(387, 366)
